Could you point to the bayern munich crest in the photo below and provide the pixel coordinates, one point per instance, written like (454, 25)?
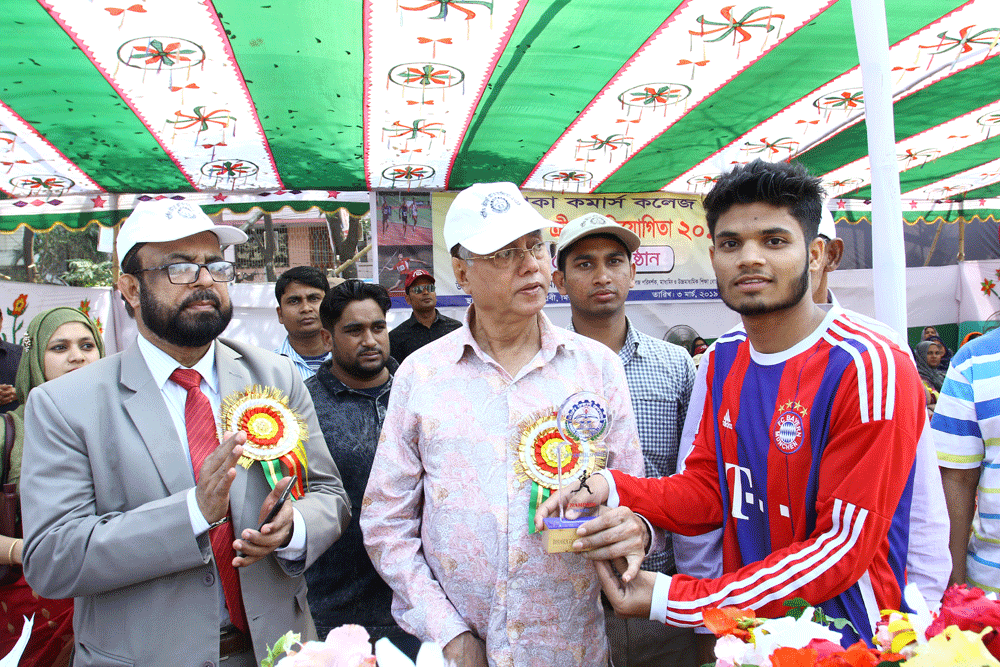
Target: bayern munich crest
(789, 431)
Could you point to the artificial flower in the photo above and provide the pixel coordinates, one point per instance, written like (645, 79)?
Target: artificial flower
(969, 609)
(825, 648)
(731, 651)
(730, 621)
(791, 632)
(895, 633)
(793, 657)
(346, 646)
(953, 648)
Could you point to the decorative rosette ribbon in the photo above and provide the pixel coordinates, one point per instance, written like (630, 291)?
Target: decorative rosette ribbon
(538, 458)
(276, 434)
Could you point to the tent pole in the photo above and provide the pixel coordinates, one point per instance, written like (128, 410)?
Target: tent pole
(889, 266)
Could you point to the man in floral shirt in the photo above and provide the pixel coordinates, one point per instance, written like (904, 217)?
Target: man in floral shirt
(446, 515)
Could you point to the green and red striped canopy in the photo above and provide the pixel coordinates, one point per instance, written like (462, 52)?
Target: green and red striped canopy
(261, 96)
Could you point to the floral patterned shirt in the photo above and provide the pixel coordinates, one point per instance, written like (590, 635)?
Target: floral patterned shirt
(446, 512)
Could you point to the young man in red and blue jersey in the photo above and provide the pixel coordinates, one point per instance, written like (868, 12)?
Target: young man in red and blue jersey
(806, 446)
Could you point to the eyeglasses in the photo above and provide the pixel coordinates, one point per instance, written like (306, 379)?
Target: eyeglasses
(185, 273)
(506, 258)
(420, 289)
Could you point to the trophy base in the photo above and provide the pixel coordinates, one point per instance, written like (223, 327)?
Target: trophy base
(561, 533)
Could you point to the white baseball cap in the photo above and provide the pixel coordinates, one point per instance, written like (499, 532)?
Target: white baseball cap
(487, 216)
(156, 221)
(595, 223)
(827, 227)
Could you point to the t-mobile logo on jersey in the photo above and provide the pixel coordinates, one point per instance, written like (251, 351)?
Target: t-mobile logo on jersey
(742, 490)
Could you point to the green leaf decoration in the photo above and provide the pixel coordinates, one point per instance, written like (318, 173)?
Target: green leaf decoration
(840, 623)
(796, 606)
(797, 602)
(281, 646)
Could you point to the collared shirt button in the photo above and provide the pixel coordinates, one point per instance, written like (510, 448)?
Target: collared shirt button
(208, 579)
(208, 663)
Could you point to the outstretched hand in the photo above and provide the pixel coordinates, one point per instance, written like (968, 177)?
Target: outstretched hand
(465, 650)
(617, 533)
(633, 598)
(593, 493)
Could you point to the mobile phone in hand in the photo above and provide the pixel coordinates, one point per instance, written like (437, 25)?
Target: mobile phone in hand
(274, 510)
(277, 506)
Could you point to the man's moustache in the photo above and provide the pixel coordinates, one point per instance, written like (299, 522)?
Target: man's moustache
(202, 296)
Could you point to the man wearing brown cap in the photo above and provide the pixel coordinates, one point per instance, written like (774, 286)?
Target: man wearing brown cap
(130, 503)
(447, 511)
(426, 323)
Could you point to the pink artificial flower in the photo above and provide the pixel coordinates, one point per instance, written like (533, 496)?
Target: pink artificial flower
(346, 646)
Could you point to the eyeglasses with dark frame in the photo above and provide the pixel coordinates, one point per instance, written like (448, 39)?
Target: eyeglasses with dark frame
(420, 289)
(185, 273)
(504, 259)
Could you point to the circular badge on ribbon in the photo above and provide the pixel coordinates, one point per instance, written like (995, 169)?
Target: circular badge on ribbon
(276, 434)
(538, 453)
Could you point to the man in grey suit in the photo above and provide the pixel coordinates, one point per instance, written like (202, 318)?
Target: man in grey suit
(131, 505)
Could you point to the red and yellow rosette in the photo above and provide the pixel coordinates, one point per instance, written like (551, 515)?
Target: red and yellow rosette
(538, 459)
(276, 434)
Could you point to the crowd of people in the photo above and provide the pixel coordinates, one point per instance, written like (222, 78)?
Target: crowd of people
(793, 457)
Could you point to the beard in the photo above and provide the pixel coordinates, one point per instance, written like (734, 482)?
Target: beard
(799, 290)
(352, 367)
(180, 328)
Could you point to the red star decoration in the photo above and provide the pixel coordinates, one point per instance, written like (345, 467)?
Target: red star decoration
(159, 197)
(332, 194)
(220, 197)
(982, 202)
(840, 204)
(913, 204)
(98, 201)
(280, 192)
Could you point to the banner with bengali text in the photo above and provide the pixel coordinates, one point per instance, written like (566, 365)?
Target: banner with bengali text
(672, 264)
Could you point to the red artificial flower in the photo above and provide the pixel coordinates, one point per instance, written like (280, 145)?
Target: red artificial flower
(859, 655)
(794, 657)
(987, 286)
(824, 647)
(730, 621)
(969, 609)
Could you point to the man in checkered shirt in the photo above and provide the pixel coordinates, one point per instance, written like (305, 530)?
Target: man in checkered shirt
(596, 272)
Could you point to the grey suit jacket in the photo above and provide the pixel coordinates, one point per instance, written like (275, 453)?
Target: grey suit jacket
(103, 488)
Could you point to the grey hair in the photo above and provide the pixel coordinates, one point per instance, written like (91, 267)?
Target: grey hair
(459, 251)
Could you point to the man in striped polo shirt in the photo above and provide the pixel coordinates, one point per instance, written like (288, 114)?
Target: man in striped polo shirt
(966, 424)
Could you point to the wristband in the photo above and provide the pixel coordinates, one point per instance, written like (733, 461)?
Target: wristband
(10, 551)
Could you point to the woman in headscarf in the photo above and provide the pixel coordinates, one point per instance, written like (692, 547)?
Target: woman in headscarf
(945, 352)
(57, 342)
(928, 356)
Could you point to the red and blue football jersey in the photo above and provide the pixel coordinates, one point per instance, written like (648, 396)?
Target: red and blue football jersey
(806, 457)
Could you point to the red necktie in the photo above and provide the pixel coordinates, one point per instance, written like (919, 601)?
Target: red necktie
(202, 440)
